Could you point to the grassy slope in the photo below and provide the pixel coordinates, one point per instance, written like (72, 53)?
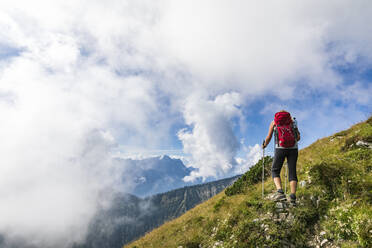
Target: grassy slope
(335, 201)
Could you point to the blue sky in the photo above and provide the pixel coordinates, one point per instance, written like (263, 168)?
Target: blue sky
(345, 108)
(154, 81)
(201, 80)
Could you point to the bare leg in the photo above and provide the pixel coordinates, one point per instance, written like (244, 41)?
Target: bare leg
(277, 182)
(293, 186)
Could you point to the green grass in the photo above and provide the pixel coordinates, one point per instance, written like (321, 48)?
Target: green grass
(336, 200)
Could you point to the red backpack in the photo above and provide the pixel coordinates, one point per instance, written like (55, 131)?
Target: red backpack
(284, 127)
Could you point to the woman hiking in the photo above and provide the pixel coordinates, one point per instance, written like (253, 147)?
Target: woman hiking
(286, 136)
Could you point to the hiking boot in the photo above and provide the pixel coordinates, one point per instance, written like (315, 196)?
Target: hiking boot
(278, 196)
(292, 198)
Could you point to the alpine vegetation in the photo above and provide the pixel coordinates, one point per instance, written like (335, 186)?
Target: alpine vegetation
(334, 203)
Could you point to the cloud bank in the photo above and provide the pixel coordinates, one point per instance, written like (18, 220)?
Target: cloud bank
(211, 142)
(81, 78)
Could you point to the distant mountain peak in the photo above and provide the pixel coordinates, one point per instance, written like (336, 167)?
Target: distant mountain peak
(164, 157)
(159, 174)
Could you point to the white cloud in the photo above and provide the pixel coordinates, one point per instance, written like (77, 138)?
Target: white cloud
(58, 135)
(356, 93)
(248, 46)
(48, 198)
(125, 71)
(62, 113)
(253, 155)
(211, 142)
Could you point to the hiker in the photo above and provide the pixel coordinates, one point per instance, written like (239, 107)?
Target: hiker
(286, 136)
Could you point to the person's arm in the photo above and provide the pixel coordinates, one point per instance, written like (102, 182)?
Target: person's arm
(298, 135)
(269, 135)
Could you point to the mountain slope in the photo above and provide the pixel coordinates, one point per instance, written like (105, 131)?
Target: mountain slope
(130, 217)
(334, 204)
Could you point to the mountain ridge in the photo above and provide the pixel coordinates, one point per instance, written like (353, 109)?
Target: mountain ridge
(130, 216)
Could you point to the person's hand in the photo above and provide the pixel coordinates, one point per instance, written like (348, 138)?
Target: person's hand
(263, 145)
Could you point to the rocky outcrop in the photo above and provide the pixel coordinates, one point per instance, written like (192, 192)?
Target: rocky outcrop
(282, 213)
(365, 144)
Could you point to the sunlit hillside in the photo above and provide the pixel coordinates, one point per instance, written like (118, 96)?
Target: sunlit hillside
(334, 204)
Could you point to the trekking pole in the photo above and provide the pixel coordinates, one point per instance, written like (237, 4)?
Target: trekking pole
(263, 167)
(286, 168)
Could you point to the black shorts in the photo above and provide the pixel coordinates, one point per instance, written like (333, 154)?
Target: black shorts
(280, 155)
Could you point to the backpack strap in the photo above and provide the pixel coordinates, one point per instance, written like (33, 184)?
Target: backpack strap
(276, 135)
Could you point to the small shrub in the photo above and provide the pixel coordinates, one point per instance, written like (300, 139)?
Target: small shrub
(223, 233)
(240, 213)
(340, 134)
(267, 233)
(210, 224)
(351, 222)
(350, 143)
(199, 219)
(330, 176)
(256, 204)
(193, 242)
(233, 219)
(362, 226)
(307, 215)
(219, 204)
(366, 132)
(339, 224)
(250, 234)
(359, 154)
(369, 121)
